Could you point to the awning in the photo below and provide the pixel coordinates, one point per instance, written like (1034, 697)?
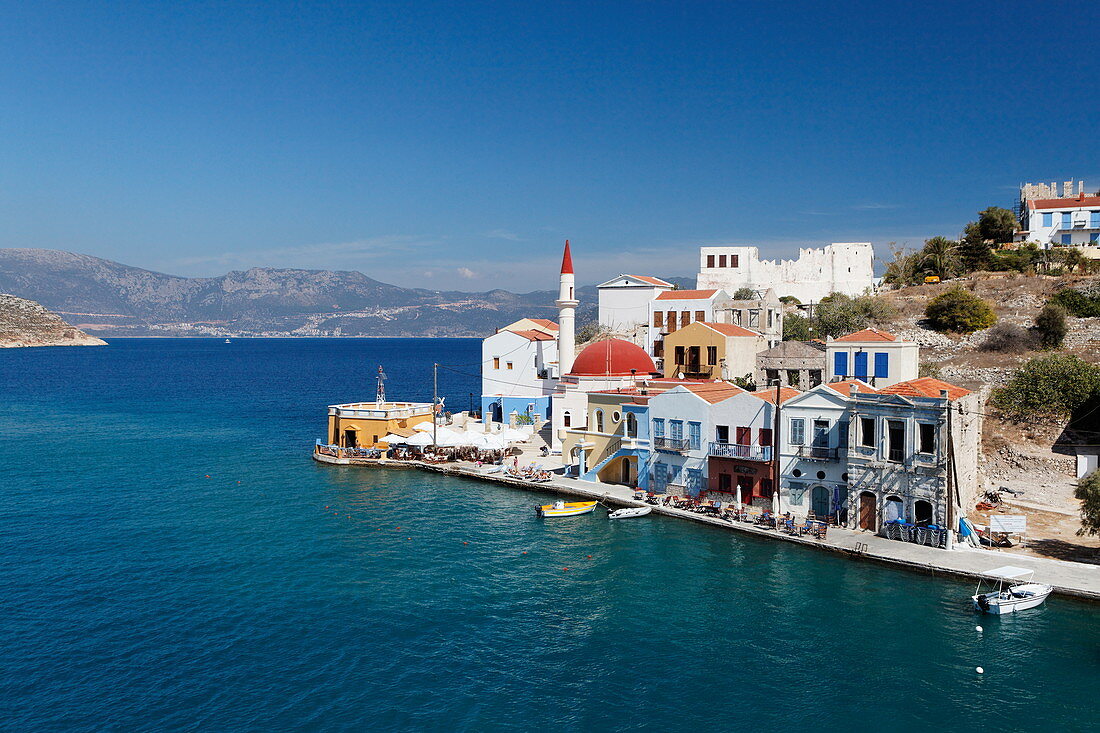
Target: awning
(1009, 572)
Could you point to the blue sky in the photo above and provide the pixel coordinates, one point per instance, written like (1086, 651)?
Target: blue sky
(454, 146)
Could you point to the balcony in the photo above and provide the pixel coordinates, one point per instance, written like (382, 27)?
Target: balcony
(818, 453)
(746, 452)
(671, 445)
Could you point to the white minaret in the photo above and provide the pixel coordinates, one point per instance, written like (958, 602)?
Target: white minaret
(567, 311)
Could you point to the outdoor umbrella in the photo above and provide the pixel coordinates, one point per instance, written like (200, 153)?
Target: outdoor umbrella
(420, 439)
(775, 502)
(739, 496)
(426, 425)
(393, 438)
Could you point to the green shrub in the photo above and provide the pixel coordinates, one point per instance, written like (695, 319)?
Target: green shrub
(1083, 304)
(1054, 385)
(744, 294)
(790, 300)
(959, 311)
(1050, 326)
(838, 314)
(1088, 491)
(796, 328)
(1008, 338)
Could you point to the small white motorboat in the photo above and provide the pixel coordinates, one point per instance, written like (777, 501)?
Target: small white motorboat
(630, 512)
(1013, 591)
(565, 508)
(228, 341)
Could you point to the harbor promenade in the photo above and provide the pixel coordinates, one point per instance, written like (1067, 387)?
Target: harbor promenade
(1068, 578)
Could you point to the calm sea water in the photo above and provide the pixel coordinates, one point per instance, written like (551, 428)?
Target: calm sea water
(171, 558)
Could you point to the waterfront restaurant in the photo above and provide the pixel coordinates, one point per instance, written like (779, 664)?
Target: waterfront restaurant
(364, 424)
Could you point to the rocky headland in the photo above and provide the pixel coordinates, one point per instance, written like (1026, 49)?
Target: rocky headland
(26, 323)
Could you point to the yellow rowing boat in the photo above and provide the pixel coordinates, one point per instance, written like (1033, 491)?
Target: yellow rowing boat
(566, 509)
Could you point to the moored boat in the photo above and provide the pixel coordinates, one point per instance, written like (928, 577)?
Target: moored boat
(1013, 591)
(565, 509)
(630, 512)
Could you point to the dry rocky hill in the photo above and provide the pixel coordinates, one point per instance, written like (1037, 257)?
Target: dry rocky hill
(26, 323)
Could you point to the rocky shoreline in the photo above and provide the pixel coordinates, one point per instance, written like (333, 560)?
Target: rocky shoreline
(25, 323)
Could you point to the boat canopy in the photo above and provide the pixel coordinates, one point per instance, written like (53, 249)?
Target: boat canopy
(1009, 572)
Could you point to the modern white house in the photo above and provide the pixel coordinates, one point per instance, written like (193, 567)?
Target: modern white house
(841, 267)
(903, 443)
(1052, 220)
(813, 449)
(675, 309)
(518, 370)
(624, 301)
(877, 357)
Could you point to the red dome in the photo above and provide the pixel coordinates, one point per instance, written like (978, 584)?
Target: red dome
(612, 358)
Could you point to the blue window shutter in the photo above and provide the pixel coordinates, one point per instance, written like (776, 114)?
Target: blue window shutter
(1048, 220)
(840, 364)
(1067, 220)
(861, 365)
(882, 365)
(1095, 237)
(1067, 239)
(1094, 220)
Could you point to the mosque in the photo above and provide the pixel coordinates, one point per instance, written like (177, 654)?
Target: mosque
(552, 381)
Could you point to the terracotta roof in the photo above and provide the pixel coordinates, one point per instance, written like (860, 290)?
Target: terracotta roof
(612, 358)
(925, 387)
(534, 335)
(844, 387)
(567, 261)
(544, 323)
(713, 392)
(687, 295)
(869, 334)
(768, 394)
(1064, 203)
(652, 280)
(729, 329)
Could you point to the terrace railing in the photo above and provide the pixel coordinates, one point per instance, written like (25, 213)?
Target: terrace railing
(746, 452)
(671, 445)
(818, 453)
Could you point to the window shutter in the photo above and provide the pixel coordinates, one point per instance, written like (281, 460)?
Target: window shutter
(840, 364)
(882, 365)
(861, 365)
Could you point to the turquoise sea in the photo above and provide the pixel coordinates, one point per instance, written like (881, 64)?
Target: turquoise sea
(171, 558)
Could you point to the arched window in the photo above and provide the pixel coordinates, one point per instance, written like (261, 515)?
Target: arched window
(566, 419)
(631, 425)
(599, 421)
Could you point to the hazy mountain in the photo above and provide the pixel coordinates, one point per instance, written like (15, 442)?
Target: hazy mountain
(111, 299)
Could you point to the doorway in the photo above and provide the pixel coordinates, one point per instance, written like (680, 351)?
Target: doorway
(922, 513)
(497, 413)
(867, 510)
(893, 510)
(819, 502)
(625, 472)
(351, 438)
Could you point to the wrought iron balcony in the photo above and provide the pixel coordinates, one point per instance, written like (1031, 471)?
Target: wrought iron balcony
(671, 445)
(818, 453)
(746, 452)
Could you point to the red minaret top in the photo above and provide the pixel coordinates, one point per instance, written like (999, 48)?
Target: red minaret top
(567, 261)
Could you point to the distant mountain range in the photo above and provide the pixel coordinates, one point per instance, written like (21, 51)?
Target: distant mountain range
(108, 298)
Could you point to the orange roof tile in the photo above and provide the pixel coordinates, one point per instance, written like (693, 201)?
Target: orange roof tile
(713, 392)
(844, 387)
(544, 323)
(869, 334)
(729, 329)
(925, 387)
(768, 394)
(686, 295)
(534, 335)
(1064, 203)
(652, 280)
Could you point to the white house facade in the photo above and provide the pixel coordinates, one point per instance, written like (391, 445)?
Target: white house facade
(517, 372)
(675, 309)
(842, 267)
(624, 301)
(873, 356)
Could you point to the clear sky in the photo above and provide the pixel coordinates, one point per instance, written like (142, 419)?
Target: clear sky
(455, 145)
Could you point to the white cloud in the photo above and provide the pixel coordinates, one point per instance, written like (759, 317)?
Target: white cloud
(466, 272)
(503, 234)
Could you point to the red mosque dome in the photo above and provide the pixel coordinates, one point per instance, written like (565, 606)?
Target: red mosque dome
(612, 358)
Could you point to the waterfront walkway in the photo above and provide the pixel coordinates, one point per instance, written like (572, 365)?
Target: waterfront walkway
(1068, 578)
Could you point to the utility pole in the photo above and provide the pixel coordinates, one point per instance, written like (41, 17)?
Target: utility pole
(435, 402)
(950, 484)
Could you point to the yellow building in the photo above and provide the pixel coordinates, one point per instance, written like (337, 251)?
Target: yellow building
(608, 425)
(705, 350)
(364, 424)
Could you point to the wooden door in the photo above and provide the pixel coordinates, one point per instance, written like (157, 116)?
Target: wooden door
(867, 511)
(819, 502)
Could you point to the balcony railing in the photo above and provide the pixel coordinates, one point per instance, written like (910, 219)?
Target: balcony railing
(818, 453)
(671, 445)
(747, 452)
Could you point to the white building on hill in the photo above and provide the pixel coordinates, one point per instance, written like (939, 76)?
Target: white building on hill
(844, 267)
(1053, 220)
(624, 301)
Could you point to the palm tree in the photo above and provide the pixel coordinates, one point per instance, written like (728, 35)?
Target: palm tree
(940, 256)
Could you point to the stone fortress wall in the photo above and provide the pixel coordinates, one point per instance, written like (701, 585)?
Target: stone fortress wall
(843, 267)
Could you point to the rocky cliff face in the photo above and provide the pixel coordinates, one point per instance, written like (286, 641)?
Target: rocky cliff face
(26, 323)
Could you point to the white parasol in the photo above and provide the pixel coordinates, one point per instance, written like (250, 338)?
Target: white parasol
(739, 505)
(420, 439)
(426, 425)
(393, 438)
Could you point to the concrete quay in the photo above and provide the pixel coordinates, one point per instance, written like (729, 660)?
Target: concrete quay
(1068, 578)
